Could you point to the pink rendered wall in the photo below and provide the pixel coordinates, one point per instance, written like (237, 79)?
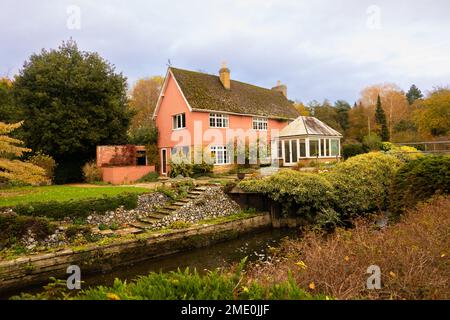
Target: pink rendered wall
(123, 175)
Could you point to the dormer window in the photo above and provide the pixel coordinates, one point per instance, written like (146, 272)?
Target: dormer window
(218, 120)
(179, 121)
(259, 123)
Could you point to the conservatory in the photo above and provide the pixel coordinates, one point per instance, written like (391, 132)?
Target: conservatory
(305, 139)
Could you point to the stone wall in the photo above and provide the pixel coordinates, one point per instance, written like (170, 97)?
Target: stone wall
(37, 269)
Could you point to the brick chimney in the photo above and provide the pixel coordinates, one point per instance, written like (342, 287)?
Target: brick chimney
(281, 88)
(224, 74)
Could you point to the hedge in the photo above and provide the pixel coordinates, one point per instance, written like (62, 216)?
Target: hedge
(357, 186)
(81, 208)
(418, 180)
(14, 227)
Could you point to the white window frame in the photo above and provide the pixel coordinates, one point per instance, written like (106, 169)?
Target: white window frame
(216, 118)
(220, 155)
(179, 121)
(260, 124)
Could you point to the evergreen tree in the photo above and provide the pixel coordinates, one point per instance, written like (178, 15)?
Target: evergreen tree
(413, 94)
(71, 102)
(380, 118)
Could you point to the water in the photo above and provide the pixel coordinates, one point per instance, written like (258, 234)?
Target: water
(254, 246)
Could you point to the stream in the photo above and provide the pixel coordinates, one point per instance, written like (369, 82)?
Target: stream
(254, 246)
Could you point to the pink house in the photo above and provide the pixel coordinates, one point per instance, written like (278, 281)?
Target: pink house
(211, 112)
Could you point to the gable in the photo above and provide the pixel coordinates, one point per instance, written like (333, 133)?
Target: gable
(204, 92)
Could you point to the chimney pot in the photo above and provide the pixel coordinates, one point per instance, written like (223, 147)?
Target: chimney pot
(281, 88)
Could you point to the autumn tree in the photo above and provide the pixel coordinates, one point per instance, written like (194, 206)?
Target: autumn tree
(327, 113)
(433, 113)
(8, 111)
(301, 108)
(144, 96)
(358, 122)
(413, 94)
(380, 118)
(12, 169)
(71, 102)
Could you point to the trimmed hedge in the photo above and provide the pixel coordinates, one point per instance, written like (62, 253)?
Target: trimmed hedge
(14, 227)
(357, 186)
(418, 180)
(58, 210)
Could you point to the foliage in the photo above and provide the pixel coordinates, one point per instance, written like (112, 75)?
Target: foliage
(433, 114)
(413, 94)
(143, 136)
(372, 142)
(14, 227)
(16, 170)
(181, 168)
(418, 180)
(80, 208)
(361, 183)
(352, 149)
(44, 161)
(152, 153)
(412, 256)
(190, 285)
(71, 102)
(380, 119)
(149, 177)
(202, 168)
(8, 110)
(91, 172)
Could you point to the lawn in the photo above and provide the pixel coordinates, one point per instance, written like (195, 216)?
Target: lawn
(14, 196)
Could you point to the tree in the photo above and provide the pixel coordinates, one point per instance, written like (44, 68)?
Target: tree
(144, 96)
(327, 113)
(71, 102)
(342, 110)
(12, 169)
(301, 108)
(413, 94)
(433, 114)
(380, 118)
(358, 122)
(8, 111)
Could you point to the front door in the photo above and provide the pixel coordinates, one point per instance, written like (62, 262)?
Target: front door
(164, 161)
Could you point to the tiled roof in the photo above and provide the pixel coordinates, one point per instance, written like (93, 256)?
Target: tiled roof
(205, 92)
(308, 126)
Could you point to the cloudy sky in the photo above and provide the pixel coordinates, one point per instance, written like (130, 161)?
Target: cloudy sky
(320, 49)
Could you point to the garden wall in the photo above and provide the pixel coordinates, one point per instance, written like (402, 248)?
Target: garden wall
(124, 175)
(36, 269)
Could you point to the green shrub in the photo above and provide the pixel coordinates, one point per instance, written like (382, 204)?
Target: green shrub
(308, 193)
(418, 180)
(189, 285)
(80, 208)
(91, 172)
(13, 227)
(372, 142)
(149, 177)
(182, 168)
(202, 168)
(361, 183)
(73, 230)
(352, 149)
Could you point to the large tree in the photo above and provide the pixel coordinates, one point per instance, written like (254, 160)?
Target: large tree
(8, 111)
(144, 96)
(413, 94)
(433, 114)
(71, 102)
(380, 118)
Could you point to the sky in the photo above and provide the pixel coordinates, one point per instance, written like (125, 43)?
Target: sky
(319, 49)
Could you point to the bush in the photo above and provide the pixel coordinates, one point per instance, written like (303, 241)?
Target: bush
(202, 169)
(77, 208)
(412, 256)
(182, 168)
(149, 177)
(418, 180)
(46, 162)
(91, 172)
(14, 227)
(361, 184)
(352, 149)
(306, 193)
(372, 142)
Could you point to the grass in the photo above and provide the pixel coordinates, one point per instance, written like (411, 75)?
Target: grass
(20, 195)
(412, 255)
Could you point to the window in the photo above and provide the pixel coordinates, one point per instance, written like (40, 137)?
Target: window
(259, 123)
(323, 150)
(280, 149)
(218, 120)
(313, 148)
(179, 121)
(302, 148)
(219, 154)
(334, 147)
